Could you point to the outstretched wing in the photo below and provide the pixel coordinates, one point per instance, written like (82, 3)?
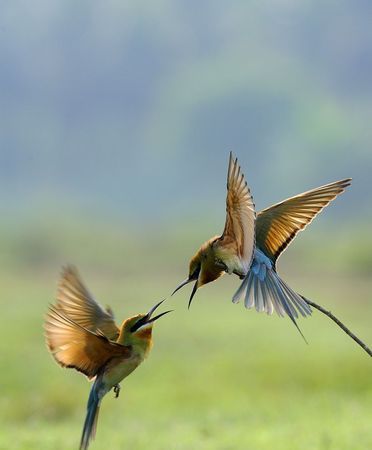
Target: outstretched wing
(278, 225)
(75, 302)
(74, 346)
(240, 213)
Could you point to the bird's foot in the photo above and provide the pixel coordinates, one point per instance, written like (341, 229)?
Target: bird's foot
(117, 390)
(240, 275)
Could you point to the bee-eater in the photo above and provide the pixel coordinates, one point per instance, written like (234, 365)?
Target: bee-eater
(231, 252)
(82, 335)
(250, 246)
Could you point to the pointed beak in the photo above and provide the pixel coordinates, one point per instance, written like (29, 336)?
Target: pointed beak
(149, 319)
(154, 308)
(194, 289)
(181, 285)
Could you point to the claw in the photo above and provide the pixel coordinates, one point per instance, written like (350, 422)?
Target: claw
(240, 275)
(117, 390)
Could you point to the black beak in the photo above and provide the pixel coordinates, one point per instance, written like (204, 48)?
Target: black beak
(187, 281)
(152, 310)
(184, 282)
(194, 289)
(148, 319)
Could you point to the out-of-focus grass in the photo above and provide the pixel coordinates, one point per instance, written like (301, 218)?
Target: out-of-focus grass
(219, 376)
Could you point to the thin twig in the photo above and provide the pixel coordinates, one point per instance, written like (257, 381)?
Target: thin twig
(340, 324)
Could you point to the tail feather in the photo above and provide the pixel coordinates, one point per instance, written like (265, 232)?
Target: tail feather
(90, 424)
(287, 304)
(240, 290)
(266, 291)
(94, 427)
(273, 297)
(283, 298)
(297, 300)
(257, 295)
(249, 299)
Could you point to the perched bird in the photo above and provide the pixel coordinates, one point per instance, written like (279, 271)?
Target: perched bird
(263, 239)
(82, 335)
(232, 252)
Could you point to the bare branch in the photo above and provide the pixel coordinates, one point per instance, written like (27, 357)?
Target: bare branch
(340, 324)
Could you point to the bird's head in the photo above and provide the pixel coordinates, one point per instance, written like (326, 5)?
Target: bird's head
(202, 268)
(137, 330)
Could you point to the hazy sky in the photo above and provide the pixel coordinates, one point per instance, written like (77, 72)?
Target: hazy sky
(132, 107)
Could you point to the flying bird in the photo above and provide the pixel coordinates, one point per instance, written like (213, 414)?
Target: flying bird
(81, 334)
(232, 252)
(250, 246)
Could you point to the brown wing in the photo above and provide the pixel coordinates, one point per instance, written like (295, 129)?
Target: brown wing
(74, 346)
(240, 213)
(75, 301)
(278, 225)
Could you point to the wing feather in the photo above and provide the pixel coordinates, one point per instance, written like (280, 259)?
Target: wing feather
(240, 213)
(278, 225)
(75, 346)
(75, 302)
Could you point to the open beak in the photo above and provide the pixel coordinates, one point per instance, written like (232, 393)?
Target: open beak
(184, 282)
(148, 317)
(194, 289)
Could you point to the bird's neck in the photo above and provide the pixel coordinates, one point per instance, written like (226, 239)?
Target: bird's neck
(141, 341)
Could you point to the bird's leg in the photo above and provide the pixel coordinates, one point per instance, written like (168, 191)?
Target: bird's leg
(240, 275)
(117, 390)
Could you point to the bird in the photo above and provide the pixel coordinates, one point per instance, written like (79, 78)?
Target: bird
(82, 335)
(232, 252)
(264, 237)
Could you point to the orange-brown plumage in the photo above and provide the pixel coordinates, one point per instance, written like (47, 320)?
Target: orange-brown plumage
(75, 301)
(249, 247)
(76, 347)
(279, 224)
(82, 335)
(232, 251)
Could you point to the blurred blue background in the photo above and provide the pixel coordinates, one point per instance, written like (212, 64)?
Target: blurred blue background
(131, 107)
(116, 120)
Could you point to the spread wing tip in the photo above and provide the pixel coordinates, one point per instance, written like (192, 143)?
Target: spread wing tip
(335, 188)
(233, 161)
(345, 182)
(68, 270)
(235, 176)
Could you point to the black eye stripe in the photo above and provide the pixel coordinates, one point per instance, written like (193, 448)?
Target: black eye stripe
(195, 274)
(138, 324)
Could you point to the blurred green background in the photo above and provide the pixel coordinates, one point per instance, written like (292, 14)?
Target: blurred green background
(116, 123)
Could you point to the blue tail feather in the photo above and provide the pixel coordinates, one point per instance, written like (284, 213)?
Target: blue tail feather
(93, 405)
(264, 289)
